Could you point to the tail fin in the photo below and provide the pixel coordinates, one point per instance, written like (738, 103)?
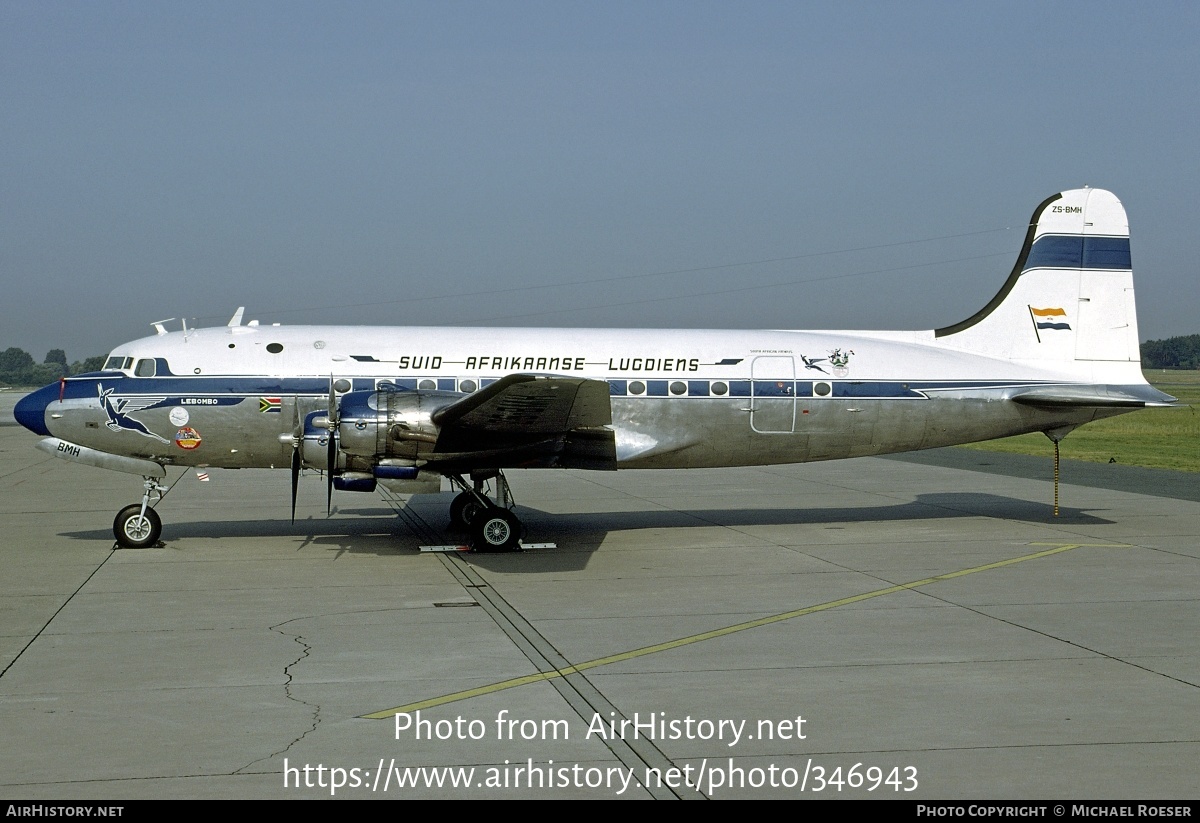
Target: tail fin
(1070, 295)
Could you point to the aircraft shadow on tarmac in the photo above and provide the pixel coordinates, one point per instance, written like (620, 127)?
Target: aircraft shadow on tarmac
(383, 531)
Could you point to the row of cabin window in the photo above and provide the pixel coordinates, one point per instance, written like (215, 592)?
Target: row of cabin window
(648, 388)
(617, 388)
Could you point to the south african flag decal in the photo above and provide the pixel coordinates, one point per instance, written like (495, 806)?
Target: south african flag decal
(267, 405)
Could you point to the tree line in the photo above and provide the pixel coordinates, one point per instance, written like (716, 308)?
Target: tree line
(1172, 353)
(18, 368)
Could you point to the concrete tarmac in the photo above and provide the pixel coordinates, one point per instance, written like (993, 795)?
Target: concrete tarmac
(872, 628)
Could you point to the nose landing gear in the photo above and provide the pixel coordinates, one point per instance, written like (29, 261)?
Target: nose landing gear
(138, 526)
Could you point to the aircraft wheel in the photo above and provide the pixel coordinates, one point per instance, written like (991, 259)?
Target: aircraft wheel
(463, 510)
(134, 531)
(496, 530)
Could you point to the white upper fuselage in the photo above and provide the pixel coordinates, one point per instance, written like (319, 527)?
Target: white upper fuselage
(459, 353)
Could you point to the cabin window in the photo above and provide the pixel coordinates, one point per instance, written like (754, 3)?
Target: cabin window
(822, 389)
(678, 387)
(274, 348)
(467, 386)
(719, 388)
(145, 368)
(427, 385)
(637, 387)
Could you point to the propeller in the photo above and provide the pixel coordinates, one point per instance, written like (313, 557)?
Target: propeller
(297, 435)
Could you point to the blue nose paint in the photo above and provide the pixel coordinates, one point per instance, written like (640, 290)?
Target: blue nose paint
(30, 410)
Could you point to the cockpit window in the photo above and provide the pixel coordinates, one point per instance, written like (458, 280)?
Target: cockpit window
(145, 368)
(117, 363)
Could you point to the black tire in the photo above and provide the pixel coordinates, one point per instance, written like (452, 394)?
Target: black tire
(495, 530)
(132, 532)
(463, 510)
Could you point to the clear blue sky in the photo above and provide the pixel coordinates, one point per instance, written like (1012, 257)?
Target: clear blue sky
(501, 163)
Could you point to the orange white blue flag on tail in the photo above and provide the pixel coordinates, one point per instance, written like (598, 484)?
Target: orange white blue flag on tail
(1048, 318)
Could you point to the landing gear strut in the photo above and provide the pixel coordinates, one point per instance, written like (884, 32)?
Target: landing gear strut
(138, 525)
(492, 525)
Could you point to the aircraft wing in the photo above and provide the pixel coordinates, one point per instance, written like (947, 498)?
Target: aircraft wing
(531, 417)
(531, 403)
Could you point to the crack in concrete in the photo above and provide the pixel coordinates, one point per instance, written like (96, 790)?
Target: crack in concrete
(306, 651)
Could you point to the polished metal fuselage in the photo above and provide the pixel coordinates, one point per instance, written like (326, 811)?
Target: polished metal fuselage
(680, 399)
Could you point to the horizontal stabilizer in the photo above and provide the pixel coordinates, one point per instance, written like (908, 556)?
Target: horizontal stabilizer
(1094, 397)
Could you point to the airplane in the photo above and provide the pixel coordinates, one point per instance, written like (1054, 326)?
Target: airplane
(1057, 347)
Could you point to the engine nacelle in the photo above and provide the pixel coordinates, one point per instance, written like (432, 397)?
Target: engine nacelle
(390, 424)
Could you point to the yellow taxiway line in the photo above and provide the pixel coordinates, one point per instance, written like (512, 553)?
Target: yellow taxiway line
(1057, 548)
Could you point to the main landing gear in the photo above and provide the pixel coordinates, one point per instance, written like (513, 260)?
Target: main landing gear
(492, 525)
(138, 526)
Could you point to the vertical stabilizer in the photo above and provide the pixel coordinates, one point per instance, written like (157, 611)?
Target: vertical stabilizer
(1070, 295)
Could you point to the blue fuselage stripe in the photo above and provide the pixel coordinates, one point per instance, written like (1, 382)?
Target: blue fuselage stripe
(221, 391)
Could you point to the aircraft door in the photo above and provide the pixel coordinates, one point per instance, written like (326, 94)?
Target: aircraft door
(773, 395)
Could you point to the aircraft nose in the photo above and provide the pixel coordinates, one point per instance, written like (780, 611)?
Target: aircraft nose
(30, 410)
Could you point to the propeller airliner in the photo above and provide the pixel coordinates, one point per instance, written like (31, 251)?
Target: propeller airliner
(1057, 347)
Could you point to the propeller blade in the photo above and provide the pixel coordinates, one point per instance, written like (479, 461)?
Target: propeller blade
(297, 436)
(331, 455)
(295, 480)
(331, 451)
